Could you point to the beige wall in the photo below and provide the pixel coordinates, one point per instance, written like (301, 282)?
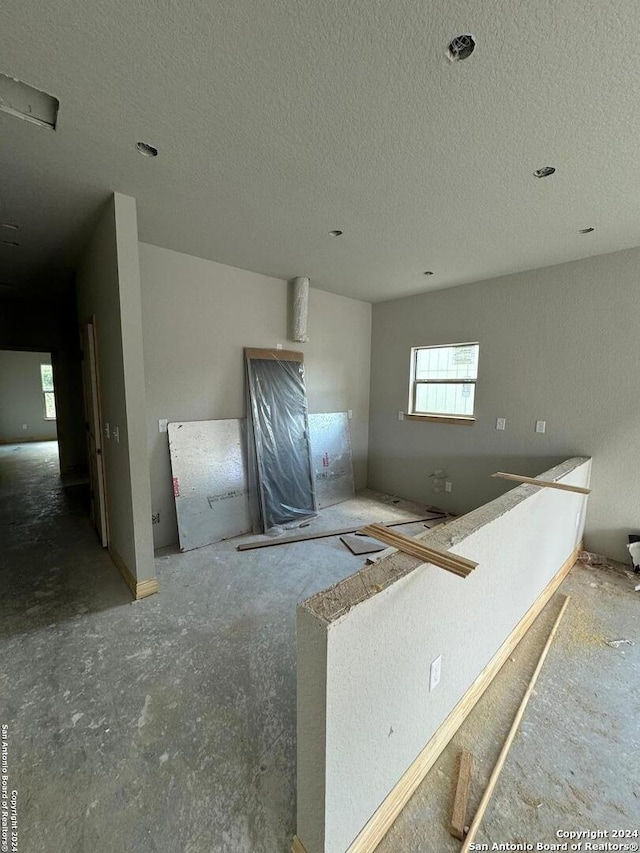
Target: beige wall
(556, 344)
(108, 283)
(21, 398)
(197, 317)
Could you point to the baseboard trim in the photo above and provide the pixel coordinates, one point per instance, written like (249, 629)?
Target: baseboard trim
(140, 589)
(26, 440)
(298, 846)
(382, 820)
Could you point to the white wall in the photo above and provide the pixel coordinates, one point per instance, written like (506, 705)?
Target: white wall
(365, 646)
(21, 397)
(197, 317)
(108, 284)
(556, 344)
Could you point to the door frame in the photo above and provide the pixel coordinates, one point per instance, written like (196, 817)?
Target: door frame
(93, 417)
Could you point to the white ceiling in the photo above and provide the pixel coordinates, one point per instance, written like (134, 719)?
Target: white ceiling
(278, 121)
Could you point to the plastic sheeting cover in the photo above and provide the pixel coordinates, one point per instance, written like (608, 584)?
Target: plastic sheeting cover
(280, 430)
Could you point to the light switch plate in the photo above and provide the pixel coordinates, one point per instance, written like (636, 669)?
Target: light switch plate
(541, 426)
(162, 424)
(501, 423)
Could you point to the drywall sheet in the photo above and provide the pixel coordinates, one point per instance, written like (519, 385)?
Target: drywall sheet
(331, 458)
(365, 710)
(280, 431)
(208, 465)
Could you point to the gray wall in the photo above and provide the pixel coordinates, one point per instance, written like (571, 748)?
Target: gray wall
(197, 317)
(108, 284)
(51, 325)
(556, 344)
(21, 397)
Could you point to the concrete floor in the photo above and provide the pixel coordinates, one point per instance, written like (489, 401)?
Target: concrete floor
(169, 724)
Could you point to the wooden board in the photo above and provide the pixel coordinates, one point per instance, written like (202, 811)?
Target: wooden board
(416, 548)
(459, 816)
(319, 534)
(298, 846)
(493, 779)
(549, 484)
(382, 820)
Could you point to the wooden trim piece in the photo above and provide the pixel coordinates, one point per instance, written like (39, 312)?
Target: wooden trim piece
(277, 354)
(381, 821)
(495, 773)
(441, 419)
(320, 534)
(549, 484)
(459, 815)
(298, 846)
(138, 590)
(443, 559)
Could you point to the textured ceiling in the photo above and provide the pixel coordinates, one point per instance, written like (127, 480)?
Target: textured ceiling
(278, 121)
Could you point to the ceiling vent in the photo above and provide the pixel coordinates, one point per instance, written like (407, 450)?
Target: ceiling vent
(461, 47)
(18, 99)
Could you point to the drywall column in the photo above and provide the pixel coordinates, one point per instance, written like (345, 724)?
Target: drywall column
(108, 285)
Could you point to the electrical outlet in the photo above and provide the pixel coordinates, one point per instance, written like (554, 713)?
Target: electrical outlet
(400, 416)
(24, 426)
(434, 672)
(350, 414)
(162, 424)
(541, 426)
(278, 346)
(448, 486)
(116, 434)
(501, 423)
(107, 431)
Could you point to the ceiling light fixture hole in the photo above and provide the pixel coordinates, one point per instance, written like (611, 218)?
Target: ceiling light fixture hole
(544, 172)
(461, 47)
(586, 230)
(429, 272)
(11, 243)
(10, 226)
(335, 233)
(146, 150)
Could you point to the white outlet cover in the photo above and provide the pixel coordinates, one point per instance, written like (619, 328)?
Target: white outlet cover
(501, 423)
(116, 434)
(434, 672)
(400, 416)
(541, 426)
(350, 414)
(24, 426)
(107, 431)
(448, 486)
(278, 346)
(162, 424)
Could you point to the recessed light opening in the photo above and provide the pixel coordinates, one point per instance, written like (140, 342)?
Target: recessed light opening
(586, 230)
(9, 225)
(10, 243)
(335, 233)
(461, 47)
(147, 150)
(544, 172)
(429, 272)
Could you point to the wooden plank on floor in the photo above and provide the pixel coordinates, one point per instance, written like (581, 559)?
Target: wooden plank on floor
(322, 534)
(493, 779)
(360, 545)
(459, 815)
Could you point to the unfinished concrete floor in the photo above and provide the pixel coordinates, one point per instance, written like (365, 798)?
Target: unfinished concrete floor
(169, 724)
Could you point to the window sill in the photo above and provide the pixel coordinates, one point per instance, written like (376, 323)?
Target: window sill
(441, 419)
(49, 419)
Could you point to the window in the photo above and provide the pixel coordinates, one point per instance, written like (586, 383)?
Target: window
(443, 382)
(46, 375)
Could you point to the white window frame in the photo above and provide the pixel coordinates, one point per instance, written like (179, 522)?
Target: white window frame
(44, 395)
(438, 417)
